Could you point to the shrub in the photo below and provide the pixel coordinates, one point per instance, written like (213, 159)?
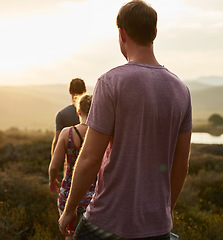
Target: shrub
(13, 223)
(216, 119)
(198, 225)
(29, 195)
(29, 211)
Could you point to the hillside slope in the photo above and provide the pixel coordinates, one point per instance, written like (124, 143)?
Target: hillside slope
(35, 107)
(32, 107)
(206, 102)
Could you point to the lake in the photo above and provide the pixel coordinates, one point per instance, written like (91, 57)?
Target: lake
(206, 138)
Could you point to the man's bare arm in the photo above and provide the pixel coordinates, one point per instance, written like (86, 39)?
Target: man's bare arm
(180, 166)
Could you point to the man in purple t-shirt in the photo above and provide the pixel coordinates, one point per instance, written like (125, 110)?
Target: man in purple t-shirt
(138, 141)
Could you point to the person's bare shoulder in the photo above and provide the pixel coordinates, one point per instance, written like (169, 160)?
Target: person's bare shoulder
(64, 134)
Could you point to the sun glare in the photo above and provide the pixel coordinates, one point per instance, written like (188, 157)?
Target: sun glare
(47, 37)
(34, 41)
(40, 40)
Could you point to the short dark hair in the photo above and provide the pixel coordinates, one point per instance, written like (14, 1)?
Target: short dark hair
(77, 86)
(139, 20)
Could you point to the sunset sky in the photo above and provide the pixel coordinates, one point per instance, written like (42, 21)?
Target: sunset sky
(53, 41)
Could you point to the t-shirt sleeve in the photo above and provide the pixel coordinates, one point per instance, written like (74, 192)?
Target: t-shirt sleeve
(102, 112)
(59, 123)
(187, 120)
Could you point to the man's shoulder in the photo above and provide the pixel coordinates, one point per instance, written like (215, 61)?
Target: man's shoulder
(115, 74)
(66, 117)
(70, 107)
(135, 68)
(114, 70)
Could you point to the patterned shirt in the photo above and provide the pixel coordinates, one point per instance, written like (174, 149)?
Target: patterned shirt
(71, 157)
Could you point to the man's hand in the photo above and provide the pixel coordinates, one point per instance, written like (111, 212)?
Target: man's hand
(66, 221)
(54, 186)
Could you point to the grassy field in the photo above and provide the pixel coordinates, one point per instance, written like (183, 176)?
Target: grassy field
(28, 210)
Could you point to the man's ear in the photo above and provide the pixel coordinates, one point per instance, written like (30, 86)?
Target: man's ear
(122, 35)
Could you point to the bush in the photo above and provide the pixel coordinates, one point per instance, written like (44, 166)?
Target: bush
(198, 225)
(13, 223)
(29, 211)
(199, 209)
(215, 119)
(30, 196)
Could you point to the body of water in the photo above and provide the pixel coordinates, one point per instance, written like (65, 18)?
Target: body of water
(206, 138)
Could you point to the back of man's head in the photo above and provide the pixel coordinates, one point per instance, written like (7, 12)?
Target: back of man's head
(77, 87)
(139, 21)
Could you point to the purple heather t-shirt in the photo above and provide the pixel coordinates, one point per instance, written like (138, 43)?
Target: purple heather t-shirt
(144, 108)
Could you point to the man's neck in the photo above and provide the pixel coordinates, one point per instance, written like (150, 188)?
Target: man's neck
(141, 54)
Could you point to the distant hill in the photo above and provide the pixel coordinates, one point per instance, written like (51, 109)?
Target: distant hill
(212, 80)
(207, 96)
(206, 102)
(35, 107)
(208, 81)
(32, 107)
(196, 86)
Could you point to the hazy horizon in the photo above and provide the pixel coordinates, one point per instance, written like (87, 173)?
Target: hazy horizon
(35, 107)
(209, 80)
